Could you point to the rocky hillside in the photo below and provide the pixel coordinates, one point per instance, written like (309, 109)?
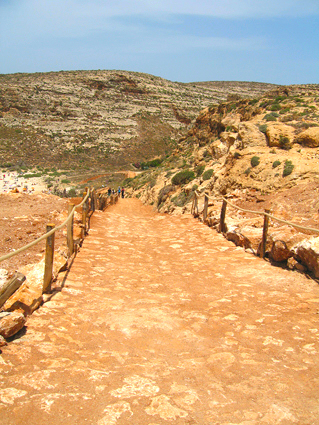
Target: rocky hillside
(93, 119)
(262, 153)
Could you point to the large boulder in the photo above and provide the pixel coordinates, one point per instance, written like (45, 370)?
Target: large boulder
(280, 135)
(309, 138)
(307, 252)
(250, 135)
(11, 324)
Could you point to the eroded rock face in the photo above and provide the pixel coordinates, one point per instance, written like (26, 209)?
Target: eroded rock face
(250, 135)
(11, 324)
(280, 135)
(307, 252)
(309, 138)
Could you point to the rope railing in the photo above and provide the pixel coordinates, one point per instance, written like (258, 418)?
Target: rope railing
(46, 235)
(266, 214)
(102, 202)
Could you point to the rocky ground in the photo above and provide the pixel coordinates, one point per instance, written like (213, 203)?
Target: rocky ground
(189, 329)
(262, 154)
(23, 218)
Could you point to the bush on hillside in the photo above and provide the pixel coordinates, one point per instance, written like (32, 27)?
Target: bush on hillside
(288, 169)
(276, 164)
(208, 174)
(183, 177)
(255, 161)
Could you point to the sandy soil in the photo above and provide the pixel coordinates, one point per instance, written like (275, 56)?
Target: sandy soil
(23, 218)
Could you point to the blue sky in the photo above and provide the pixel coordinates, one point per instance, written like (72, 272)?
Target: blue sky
(275, 41)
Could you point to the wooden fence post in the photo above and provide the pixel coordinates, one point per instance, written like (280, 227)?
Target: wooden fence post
(222, 224)
(84, 214)
(195, 206)
(93, 200)
(10, 286)
(205, 208)
(70, 241)
(265, 232)
(48, 266)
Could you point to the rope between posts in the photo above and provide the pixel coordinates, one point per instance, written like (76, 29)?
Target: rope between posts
(298, 226)
(46, 235)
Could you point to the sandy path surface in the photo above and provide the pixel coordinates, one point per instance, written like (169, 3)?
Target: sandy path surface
(161, 320)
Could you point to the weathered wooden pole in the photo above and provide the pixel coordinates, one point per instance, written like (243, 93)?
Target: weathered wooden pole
(265, 233)
(69, 237)
(48, 265)
(222, 224)
(10, 286)
(195, 205)
(84, 215)
(93, 200)
(205, 208)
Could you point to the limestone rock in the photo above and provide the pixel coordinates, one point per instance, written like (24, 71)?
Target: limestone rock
(309, 138)
(231, 120)
(250, 135)
(218, 149)
(307, 252)
(279, 251)
(3, 342)
(11, 324)
(29, 296)
(280, 135)
(293, 264)
(238, 239)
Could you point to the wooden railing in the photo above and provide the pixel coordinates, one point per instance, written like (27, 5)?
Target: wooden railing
(222, 223)
(91, 202)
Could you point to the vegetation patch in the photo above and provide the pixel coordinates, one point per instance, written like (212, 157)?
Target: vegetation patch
(183, 177)
(163, 194)
(276, 164)
(208, 174)
(288, 168)
(284, 142)
(255, 160)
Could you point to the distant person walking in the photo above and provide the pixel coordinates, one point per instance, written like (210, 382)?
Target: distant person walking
(119, 192)
(109, 192)
(122, 192)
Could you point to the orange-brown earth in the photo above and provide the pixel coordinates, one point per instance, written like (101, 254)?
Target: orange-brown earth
(161, 320)
(23, 218)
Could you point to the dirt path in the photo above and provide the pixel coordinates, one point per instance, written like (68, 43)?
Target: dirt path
(161, 321)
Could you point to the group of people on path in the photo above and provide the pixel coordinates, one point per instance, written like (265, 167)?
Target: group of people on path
(120, 192)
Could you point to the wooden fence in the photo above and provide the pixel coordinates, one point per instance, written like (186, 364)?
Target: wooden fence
(222, 223)
(91, 202)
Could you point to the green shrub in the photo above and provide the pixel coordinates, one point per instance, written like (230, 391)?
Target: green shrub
(276, 163)
(263, 128)
(65, 181)
(199, 170)
(208, 174)
(247, 171)
(275, 107)
(255, 161)
(284, 142)
(72, 193)
(183, 177)
(288, 168)
(180, 200)
(237, 155)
